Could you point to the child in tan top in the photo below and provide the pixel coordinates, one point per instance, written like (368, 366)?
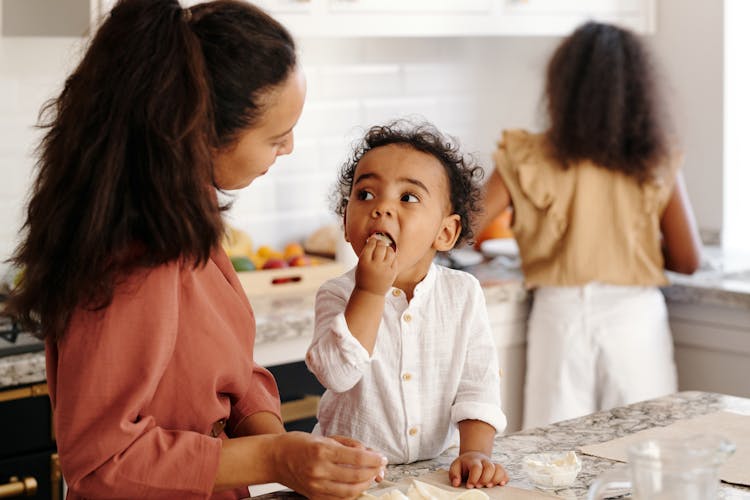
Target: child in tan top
(600, 210)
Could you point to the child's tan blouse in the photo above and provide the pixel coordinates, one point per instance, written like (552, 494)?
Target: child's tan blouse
(583, 224)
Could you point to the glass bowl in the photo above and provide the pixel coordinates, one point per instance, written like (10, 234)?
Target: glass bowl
(552, 470)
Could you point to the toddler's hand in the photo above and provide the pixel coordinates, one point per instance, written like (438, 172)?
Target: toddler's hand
(478, 471)
(376, 270)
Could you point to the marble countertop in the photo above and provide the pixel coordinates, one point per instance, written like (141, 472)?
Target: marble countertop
(285, 323)
(723, 280)
(571, 434)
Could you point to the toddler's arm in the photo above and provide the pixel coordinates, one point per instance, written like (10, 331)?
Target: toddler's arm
(376, 272)
(474, 462)
(335, 357)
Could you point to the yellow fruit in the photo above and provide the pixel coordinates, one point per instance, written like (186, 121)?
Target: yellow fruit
(266, 252)
(237, 243)
(293, 250)
(258, 261)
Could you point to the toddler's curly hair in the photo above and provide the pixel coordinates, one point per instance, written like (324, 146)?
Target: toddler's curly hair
(462, 171)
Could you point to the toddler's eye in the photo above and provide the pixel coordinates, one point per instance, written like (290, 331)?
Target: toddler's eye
(364, 195)
(409, 198)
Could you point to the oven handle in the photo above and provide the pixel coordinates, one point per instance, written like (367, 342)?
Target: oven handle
(18, 487)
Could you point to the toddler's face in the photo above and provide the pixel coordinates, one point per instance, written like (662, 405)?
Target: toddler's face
(402, 193)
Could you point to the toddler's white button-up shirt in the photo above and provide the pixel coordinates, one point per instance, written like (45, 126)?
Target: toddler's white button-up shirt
(433, 365)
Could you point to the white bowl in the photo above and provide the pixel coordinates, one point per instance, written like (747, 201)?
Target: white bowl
(499, 246)
(552, 470)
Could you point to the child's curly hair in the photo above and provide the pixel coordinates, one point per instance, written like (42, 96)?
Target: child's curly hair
(462, 171)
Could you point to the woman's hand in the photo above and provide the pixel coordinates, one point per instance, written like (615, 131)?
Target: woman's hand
(322, 468)
(376, 270)
(478, 470)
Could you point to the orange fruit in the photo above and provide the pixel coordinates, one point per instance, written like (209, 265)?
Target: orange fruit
(499, 227)
(293, 250)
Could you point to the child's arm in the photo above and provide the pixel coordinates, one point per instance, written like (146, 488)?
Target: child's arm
(495, 199)
(376, 272)
(337, 356)
(477, 407)
(474, 462)
(681, 244)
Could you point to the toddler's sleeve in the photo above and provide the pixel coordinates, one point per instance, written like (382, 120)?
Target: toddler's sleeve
(335, 357)
(478, 396)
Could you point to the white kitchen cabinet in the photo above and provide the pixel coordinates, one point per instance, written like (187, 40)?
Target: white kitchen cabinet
(508, 323)
(712, 347)
(383, 18)
(435, 18)
(355, 18)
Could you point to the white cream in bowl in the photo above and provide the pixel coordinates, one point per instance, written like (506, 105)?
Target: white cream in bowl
(552, 470)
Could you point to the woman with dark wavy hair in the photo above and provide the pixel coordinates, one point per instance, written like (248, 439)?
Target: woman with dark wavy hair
(599, 211)
(149, 335)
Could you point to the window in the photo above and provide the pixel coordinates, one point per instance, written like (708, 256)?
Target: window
(736, 235)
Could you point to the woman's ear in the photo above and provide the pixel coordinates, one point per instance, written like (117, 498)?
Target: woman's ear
(448, 234)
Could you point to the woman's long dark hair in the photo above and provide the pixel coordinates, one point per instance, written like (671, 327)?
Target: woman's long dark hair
(603, 101)
(125, 176)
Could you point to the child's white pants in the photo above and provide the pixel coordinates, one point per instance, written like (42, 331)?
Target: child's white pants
(595, 347)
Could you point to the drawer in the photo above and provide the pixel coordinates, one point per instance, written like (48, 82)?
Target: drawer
(25, 420)
(300, 392)
(41, 471)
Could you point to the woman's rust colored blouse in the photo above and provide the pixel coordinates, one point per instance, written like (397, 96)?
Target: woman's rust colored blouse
(585, 223)
(138, 386)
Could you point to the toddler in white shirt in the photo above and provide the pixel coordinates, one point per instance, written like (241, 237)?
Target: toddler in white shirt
(402, 345)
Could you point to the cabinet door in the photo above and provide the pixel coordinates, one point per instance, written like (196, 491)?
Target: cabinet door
(575, 6)
(25, 421)
(400, 6)
(300, 392)
(508, 321)
(439, 18)
(712, 348)
(560, 17)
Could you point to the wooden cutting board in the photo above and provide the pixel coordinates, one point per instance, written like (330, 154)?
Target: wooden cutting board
(440, 478)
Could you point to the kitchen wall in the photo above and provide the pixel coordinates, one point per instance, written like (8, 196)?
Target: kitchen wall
(689, 42)
(469, 87)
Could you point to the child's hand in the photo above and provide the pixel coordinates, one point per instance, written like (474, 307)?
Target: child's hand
(376, 270)
(478, 470)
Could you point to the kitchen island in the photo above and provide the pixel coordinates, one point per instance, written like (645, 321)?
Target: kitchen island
(599, 427)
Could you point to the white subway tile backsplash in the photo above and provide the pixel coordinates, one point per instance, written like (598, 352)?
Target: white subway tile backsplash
(380, 111)
(329, 117)
(355, 81)
(467, 87)
(444, 78)
(303, 160)
(10, 90)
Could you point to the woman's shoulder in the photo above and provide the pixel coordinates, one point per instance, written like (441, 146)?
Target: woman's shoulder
(153, 283)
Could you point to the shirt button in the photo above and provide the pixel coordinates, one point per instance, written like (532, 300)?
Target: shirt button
(396, 292)
(413, 431)
(407, 317)
(406, 377)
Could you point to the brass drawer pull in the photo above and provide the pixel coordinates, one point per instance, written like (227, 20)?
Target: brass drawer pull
(17, 488)
(300, 408)
(24, 392)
